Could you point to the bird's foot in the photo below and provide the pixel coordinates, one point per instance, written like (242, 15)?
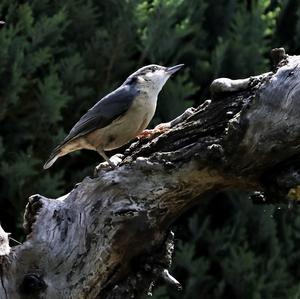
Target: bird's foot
(113, 162)
(145, 134)
(159, 129)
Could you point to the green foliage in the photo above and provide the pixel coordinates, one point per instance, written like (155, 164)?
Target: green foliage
(59, 57)
(237, 252)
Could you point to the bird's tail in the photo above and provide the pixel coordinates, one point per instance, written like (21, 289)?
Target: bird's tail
(53, 157)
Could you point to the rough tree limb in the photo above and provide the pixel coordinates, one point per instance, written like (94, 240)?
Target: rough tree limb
(109, 237)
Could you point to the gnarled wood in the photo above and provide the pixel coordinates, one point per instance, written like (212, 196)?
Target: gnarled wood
(109, 237)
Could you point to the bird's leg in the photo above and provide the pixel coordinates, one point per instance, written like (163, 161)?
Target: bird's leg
(102, 153)
(159, 129)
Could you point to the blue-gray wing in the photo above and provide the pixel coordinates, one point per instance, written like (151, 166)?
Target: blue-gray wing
(104, 112)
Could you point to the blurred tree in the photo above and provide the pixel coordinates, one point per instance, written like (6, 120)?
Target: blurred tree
(59, 57)
(240, 250)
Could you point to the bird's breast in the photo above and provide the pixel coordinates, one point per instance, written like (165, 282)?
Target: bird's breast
(144, 105)
(129, 125)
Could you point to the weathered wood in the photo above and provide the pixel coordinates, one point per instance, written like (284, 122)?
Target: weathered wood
(4, 243)
(109, 237)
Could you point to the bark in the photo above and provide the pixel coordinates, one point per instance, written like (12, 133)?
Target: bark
(110, 236)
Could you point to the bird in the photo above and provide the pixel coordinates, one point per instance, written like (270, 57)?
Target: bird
(118, 117)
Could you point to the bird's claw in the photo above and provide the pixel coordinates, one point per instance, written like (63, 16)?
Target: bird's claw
(159, 129)
(114, 161)
(145, 134)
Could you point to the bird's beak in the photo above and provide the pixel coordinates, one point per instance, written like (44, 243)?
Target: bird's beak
(173, 69)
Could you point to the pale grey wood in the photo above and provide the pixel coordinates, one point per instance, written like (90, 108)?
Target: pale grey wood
(4, 243)
(109, 237)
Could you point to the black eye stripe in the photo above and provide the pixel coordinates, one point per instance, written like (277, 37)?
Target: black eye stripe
(149, 69)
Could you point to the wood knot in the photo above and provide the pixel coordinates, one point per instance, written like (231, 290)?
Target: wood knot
(226, 85)
(32, 284)
(277, 55)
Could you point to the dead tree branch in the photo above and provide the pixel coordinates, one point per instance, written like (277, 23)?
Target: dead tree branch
(110, 236)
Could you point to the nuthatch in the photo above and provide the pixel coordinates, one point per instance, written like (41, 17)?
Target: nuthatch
(118, 117)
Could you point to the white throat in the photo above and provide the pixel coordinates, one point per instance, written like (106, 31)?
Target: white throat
(152, 83)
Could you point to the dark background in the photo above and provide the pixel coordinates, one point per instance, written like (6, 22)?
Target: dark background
(58, 57)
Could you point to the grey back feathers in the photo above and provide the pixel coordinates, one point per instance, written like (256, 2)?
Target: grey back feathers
(104, 112)
(110, 107)
(100, 115)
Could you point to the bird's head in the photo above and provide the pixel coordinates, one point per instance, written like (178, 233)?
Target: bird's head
(152, 77)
